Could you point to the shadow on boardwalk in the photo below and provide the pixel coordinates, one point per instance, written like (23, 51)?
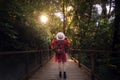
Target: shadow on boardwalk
(50, 72)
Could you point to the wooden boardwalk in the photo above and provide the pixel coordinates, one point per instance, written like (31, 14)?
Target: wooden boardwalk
(50, 72)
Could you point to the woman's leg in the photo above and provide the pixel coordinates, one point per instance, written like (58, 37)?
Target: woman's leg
(64, 70)
(59, 66)
(63, 66)
(60, 69)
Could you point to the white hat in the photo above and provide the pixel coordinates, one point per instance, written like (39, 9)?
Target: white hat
(60, 36)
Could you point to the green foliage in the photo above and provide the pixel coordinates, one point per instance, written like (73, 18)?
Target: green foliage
(92, 36)
(19, 29)
(7, 36)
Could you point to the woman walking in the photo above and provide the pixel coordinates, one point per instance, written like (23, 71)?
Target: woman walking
(59, 45)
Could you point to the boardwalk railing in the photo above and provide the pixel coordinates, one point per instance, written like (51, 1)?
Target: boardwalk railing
(79, 55)
(19, 65)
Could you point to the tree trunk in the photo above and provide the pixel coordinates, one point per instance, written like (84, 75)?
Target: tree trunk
(116, 34)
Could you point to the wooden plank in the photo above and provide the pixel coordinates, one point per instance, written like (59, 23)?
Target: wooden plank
(50, 72)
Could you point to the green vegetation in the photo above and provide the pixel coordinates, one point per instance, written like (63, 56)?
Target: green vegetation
(20, 28)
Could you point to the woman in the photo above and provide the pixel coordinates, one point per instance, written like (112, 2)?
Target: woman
(59, 45)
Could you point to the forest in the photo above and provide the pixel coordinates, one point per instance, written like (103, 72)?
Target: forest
(88, 24)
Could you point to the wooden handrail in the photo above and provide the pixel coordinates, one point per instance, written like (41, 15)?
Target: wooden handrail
(21, 52)
(95, 51)
(80, 50)
(92, 52)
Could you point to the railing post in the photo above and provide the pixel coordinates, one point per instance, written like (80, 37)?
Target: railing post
(40, 58)
(26, 66)
(50, 53)
(36, 58)
(92, 67)
(79, 56)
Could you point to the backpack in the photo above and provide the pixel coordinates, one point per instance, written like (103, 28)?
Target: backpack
(59, 48)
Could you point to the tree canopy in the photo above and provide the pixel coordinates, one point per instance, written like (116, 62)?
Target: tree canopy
(88, 24)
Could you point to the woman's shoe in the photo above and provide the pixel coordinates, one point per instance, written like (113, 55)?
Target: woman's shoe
(64, 74)
(60, 74)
